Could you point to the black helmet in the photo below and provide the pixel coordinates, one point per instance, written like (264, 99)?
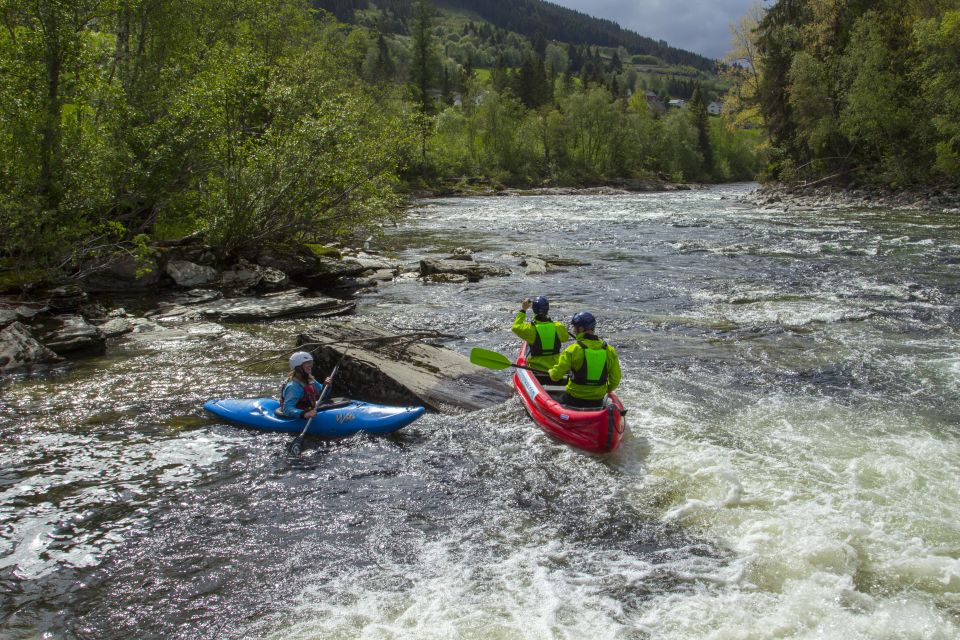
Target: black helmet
(541, 306)
(584, 319)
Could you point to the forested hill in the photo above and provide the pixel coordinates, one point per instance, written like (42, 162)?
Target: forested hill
(553, 22)
(532, 17)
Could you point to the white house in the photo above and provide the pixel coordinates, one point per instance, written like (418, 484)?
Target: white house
(714, 108)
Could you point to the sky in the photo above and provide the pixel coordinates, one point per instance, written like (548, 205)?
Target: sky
(701, 26)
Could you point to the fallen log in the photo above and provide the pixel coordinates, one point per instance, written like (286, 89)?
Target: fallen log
(389, 368)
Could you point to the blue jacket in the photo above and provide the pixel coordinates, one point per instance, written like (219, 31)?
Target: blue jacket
(292, 392)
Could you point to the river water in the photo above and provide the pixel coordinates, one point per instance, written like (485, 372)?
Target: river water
(790, 468)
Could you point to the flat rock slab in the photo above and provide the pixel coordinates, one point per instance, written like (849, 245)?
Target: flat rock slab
(268, 307)
(401, 369)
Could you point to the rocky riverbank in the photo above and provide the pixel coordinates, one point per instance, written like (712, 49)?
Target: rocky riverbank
(151, 298)
(932, 198)
(485, 187)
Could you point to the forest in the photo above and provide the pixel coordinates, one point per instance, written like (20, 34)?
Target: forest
(131, 122)
(866, 91)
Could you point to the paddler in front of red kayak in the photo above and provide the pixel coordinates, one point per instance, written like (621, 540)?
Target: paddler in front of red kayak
(544, 337)
(594, 363)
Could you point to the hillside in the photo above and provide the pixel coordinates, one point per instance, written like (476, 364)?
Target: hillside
(531, 18)
(553, 22)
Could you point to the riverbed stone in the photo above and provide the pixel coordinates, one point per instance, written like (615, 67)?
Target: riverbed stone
(376, 263)
(116, 327)
(75, 337)
(190, 274)
(461, 253)
(534, 266)
(19, 349)
(379, 365)
(474, 271)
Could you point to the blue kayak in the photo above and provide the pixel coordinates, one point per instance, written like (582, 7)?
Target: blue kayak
(334, 420)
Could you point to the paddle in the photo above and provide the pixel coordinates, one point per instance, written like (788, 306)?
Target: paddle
(297, 443)
(493, 360)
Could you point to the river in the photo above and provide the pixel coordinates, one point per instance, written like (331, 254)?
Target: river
(790, 468)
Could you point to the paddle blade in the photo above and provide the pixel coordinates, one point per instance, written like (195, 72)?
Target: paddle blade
(489, 359)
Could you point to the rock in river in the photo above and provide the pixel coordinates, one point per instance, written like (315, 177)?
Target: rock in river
(277, 305)
(401, 369)
(19, 349)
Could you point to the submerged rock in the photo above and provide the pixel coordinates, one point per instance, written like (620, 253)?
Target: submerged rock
(473, 271)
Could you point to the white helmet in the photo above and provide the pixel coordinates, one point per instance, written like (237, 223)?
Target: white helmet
(299, 358)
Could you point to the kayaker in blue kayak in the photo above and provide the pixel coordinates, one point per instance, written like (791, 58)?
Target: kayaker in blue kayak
(544, 336)
(299, 395)
(594, 363)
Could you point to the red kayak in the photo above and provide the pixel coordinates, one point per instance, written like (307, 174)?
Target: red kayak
(594, 430)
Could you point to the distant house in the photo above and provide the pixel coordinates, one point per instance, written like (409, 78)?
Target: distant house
(677, 103)
(654, 102)
(714, 108)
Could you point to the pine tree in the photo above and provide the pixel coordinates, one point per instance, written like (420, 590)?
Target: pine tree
(420, 67)
(701, 120)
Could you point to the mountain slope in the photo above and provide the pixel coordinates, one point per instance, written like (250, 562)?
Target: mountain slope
(529, 17)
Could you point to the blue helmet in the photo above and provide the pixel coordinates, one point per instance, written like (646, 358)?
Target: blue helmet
(584, 319)
(541, 305)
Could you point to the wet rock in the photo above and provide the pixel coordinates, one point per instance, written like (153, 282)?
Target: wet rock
(557, 261)
(149, 333)
(354, 284)
(272, 280)
(473, 271)
(534, 265)
(446, 278)
(190, 274)
(122, 273)
(116, 327)
(67, 298)
(401, 369)
(75, 336)
(294, 264)
(94, 312)
(242, 276)
(192, 297)
(376, 262)
(249, 309)
(329, 271)
(383, 275)
(461, 253)
(20, 350)
(8, 317)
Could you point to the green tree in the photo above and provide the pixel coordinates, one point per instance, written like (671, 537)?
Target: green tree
(937, 41)
(701, 122)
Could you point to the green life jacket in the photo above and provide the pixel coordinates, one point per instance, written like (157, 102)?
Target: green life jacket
(593, 370)
(546, 343)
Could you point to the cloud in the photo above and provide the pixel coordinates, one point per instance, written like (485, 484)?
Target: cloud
(701, 26)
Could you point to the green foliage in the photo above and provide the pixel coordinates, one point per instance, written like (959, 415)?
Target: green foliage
(938, 41)
(123, 120)
(861, 89)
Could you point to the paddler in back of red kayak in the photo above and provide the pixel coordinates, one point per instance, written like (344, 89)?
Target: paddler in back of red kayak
(543, 336)
(593, 363)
